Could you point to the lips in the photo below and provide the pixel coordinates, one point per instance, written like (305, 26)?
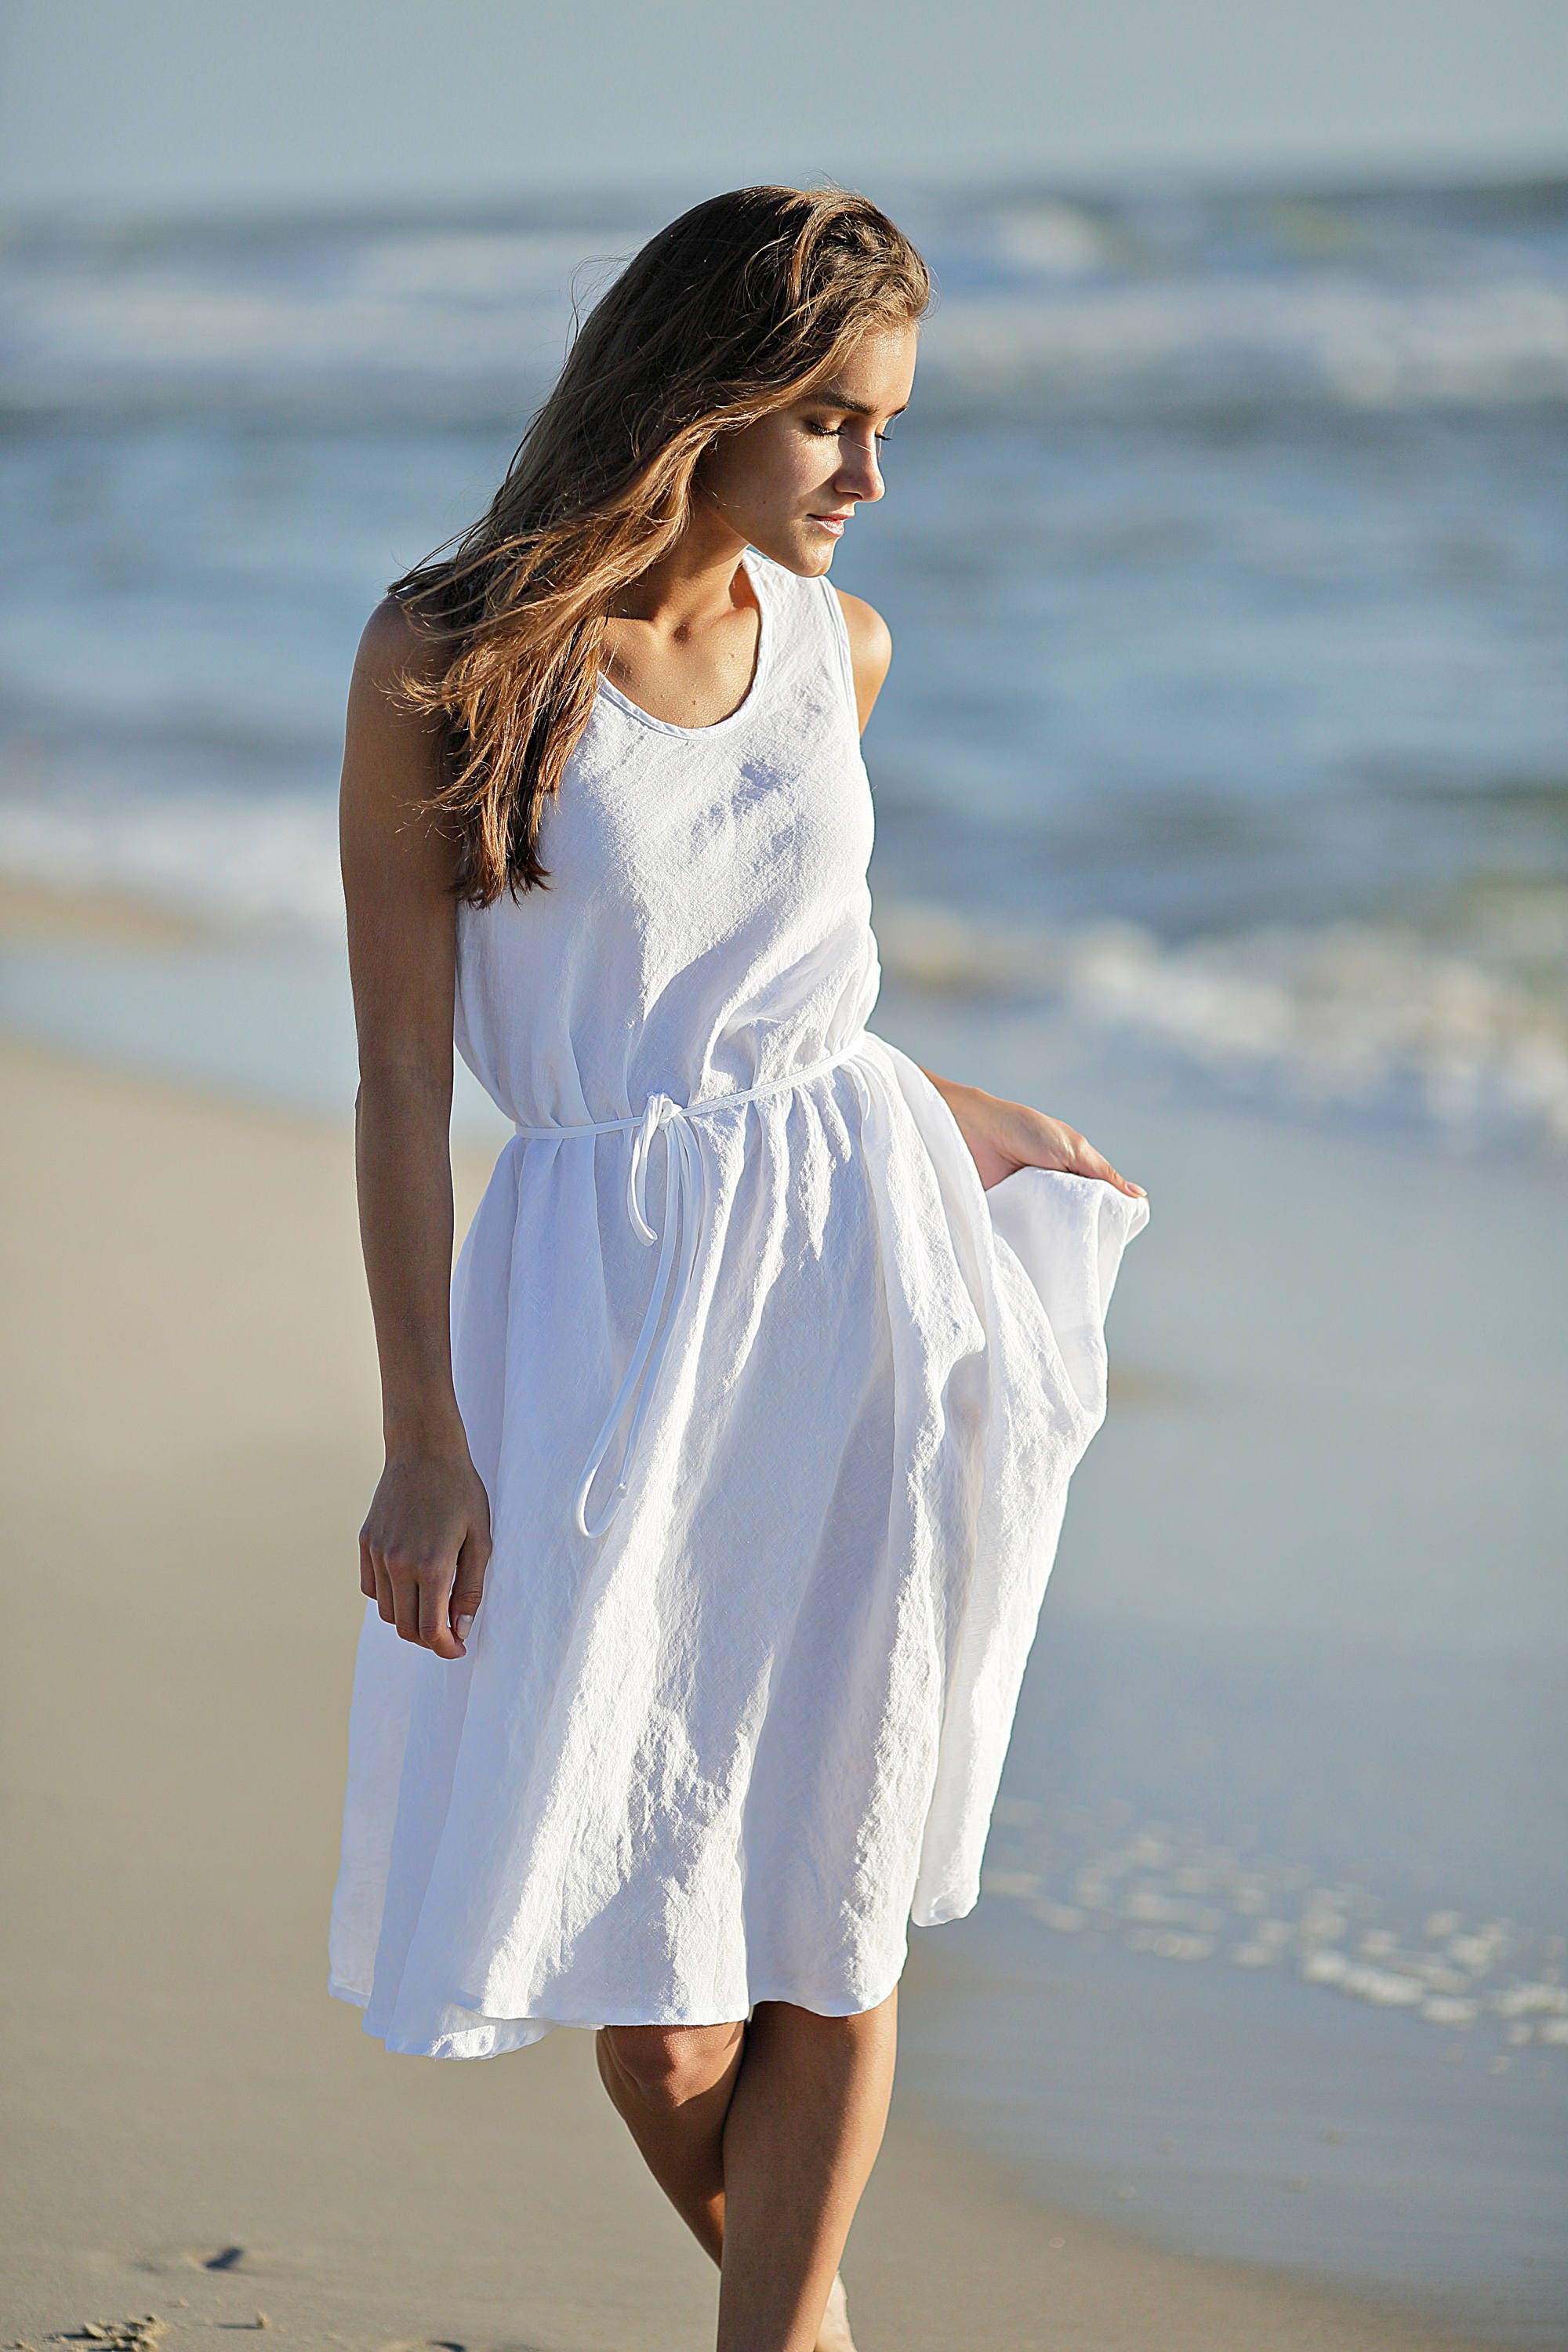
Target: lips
(835, 523)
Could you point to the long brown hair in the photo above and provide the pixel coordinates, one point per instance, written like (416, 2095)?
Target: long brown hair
(726, 315)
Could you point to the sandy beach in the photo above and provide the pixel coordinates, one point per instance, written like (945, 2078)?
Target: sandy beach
(196, 2130)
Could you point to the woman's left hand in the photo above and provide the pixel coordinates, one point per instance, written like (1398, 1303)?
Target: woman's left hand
(1003, 1137)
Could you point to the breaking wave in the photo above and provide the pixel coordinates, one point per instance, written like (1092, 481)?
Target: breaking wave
(1351, 1013)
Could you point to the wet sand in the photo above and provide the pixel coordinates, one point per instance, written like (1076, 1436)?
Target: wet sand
(194, 2129)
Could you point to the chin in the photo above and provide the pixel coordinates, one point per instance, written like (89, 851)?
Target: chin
(808, 556)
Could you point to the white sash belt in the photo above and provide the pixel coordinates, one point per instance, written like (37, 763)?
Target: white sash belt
(685, 1204)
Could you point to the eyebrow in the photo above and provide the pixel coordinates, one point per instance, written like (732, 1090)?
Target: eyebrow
(832, 398)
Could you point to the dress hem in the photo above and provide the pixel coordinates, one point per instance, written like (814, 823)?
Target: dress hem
(358, 1999)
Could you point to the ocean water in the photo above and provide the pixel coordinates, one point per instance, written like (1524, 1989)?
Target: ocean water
(1222, 802)
(1224, 546)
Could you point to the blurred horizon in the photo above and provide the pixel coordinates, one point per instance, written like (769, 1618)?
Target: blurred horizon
(613, 198)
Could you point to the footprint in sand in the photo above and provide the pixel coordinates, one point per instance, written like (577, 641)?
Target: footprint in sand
(223, 2259)
(448, 2343)
(227, 2258)
(140, 2334)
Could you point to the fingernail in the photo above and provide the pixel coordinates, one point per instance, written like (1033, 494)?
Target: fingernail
(463, 1625)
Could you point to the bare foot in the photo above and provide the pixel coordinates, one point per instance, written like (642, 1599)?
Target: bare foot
(834, 2335)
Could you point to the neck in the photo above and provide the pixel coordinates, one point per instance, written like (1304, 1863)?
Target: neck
(697, 582)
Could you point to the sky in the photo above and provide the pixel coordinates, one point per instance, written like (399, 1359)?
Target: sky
(192, 106)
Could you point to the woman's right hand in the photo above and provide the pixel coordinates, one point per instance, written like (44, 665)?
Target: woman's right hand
(424, 1548)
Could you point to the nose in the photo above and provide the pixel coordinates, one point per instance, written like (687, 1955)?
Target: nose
(858, 476)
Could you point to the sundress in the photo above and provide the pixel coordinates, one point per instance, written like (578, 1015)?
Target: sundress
(774, 1404)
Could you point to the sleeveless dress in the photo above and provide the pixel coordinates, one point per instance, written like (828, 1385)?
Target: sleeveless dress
(776, 1406)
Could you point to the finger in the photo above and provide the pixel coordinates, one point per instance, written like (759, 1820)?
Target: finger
(468, 1586)
(432, 1591)
(405, 1598)
(383, 1596)
(1091, 1162)
(366, 1570)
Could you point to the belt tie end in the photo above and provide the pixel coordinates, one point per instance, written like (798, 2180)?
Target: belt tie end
(685, 1202)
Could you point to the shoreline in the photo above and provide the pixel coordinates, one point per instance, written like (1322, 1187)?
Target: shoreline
(175, 1770)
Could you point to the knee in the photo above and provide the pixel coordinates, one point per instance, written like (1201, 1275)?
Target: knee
(669, 2064)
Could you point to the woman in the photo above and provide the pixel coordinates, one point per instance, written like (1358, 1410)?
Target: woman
(723, 1475)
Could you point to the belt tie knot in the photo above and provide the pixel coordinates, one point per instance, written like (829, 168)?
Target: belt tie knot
(659, 1112)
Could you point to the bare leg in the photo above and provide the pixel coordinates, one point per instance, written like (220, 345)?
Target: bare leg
(804, 2123)
(675, 2087)
(671, 2085)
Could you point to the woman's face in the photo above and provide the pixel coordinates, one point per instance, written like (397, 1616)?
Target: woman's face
(790, 483)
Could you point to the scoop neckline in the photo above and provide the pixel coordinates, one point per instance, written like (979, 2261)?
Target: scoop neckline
(759, 670)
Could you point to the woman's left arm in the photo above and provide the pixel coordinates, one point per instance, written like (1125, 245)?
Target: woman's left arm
(1005, 1136)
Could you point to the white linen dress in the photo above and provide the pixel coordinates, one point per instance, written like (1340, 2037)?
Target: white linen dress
(774, 1404)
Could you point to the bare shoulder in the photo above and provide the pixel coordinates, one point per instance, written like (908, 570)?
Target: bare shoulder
(392, 740)
(392, 760)
(870, 648)
(393, 646)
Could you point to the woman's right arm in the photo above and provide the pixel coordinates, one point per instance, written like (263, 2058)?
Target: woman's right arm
(425, 1539)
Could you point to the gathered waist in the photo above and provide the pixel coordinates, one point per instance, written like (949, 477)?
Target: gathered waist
(685, 1206)
(662, 1106)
